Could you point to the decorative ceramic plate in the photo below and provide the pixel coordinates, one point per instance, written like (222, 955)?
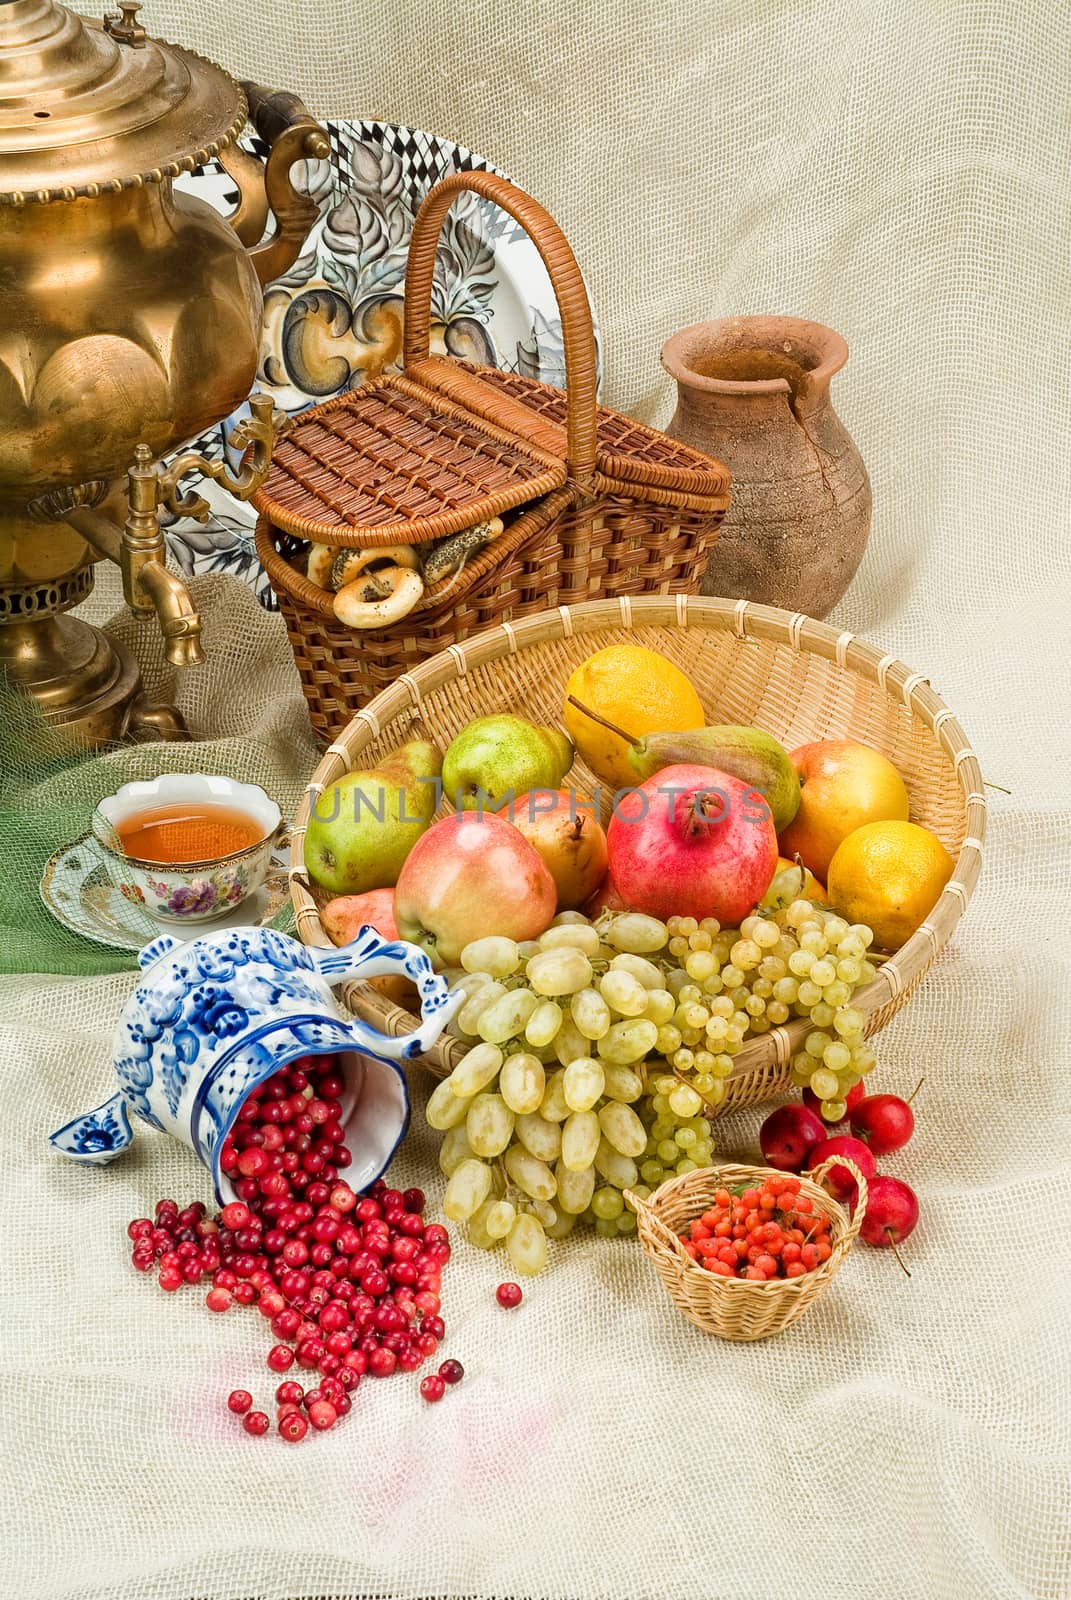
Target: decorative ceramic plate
(335, 319)
(78, 890)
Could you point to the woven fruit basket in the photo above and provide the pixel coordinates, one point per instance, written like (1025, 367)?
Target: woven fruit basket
(584, 498)
(795, 677)
(734, 1308)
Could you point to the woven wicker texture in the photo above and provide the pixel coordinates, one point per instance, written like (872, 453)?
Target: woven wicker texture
(796, 678)
(733, 1308)
(612, 506)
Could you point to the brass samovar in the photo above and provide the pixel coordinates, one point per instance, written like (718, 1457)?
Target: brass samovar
(130, 321)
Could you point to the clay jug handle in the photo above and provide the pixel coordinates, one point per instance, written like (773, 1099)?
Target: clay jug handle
(292, 135)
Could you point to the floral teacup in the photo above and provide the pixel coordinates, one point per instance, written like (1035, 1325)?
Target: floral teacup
(189, 891)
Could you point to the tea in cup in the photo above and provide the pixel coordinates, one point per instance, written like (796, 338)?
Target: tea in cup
(191, 847)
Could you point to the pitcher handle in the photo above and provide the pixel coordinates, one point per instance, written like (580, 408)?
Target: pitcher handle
(369, 955)
(292, 135)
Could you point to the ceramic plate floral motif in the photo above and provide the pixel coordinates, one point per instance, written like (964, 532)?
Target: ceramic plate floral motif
(335, 319)
(79, 891)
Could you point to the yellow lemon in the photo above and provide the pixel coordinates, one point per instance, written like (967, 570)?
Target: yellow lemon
(890, 876)
(638, 690)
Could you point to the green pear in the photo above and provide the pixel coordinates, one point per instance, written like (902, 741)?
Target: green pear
(362, 827)
(750, 754)
(496, 757)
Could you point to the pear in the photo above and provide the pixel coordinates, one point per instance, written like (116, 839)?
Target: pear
(498, 757)
(750, 754)
(362, 827)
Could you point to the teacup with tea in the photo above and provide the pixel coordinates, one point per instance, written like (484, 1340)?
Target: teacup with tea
(192, 847)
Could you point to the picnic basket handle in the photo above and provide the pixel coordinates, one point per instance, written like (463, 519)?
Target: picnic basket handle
(565, 278)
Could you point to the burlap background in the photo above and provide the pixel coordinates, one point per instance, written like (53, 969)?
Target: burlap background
(901, 172)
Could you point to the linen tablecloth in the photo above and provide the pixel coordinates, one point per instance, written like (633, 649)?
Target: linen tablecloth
(903, 174)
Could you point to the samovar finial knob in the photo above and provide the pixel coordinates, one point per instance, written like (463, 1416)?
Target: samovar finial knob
(124, 25)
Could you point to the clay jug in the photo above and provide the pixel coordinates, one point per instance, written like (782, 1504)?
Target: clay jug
(754, 393)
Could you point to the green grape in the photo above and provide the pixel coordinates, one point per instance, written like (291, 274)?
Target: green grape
(762, 988)
(667, 1039)
(628, 1041)
(641, 1190)
(575, 1189)
(621, 1083)
(580, 1139)
(800, 963)
(607, 1203)
(478, 1232)
(703, 1082)
(712, 986)
(569, 1042)
(644, 972)
(687, 1165)
(755, 1006)
(543, 1025)
(683, 1060)
(445, 1109)
(835, 929)
(722, 1065)
(665, 1083)
(849, 1022)
(540, 1138)
(590, 1013)
(810, 994)
(506, 1017)
(526, 1245)
(522, 1082)
(571, 936)
(583, 1082)
(685, 1137)
(553, 1106)
(652, 1173)
(777, 1013)
(532, 1176)
(467, 1190)
(761, 1025)
(851, 948)
(766, 934)
(689, 995)
(559, 972)
(701, 939)
(813, 942)
(527, 949)
(772, 969)
(834, 1110)
(489, 1125)
(662, 1127)
(684, 1102)
(716, 1094)
(836, 994)
(468, 1017)
(745, 955)
(637, 934)
(660, 1006)
(499, 1218)
(676, 980)
(837, 1056)
(816, 1042)
(622, 1128)
(849, 971)
(863, 1059)
(605, 1228)
(824, 1083)
(732, 977)
(822, 1014)
(678, 947)
(859, 930)
(623, 993)
(786, 990)
(798, 913)
(496, 956)
(617, 1169)
(700, 965)
(454, 1150)
(823, 972)
(562, 1227)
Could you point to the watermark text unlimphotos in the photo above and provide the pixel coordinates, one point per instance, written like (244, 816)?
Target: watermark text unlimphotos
(711, 805)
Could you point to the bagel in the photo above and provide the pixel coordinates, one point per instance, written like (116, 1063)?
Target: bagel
(376, 599)
(447, 554)
(348, 565)
(321, 557)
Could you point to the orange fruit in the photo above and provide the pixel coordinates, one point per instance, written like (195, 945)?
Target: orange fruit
(842, 786)
(635, 688)
(890, 876)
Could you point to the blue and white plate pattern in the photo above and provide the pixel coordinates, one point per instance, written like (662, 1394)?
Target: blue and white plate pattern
(335, 319)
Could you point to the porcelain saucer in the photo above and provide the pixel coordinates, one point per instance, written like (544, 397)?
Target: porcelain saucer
(77, 888)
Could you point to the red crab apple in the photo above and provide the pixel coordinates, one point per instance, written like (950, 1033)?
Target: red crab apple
(693, 842)
(788, 1136)
(838, 1180)
(884, 1122)
(851, 1100)
(469, 875)
(892, 1211)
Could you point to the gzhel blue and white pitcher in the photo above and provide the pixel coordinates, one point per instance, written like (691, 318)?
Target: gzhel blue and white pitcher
(212, 1018)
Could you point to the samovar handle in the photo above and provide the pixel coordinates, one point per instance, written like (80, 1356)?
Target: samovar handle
(292, 135)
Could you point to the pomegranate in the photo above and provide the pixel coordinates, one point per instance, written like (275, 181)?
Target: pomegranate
(693, 842)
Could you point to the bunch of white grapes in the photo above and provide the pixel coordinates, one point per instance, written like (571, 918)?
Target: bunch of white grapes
(603, 1051)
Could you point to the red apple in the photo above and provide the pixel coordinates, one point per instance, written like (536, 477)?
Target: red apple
(884, 1122)
(891, 1213)
(788, 1136)
(471, 874)
(851, 1099)
(838, 1180)
(693, 842)
(569, 840)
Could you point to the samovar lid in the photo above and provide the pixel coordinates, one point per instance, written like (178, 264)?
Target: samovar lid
(90, 108)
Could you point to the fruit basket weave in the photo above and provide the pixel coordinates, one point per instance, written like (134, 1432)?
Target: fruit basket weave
(599, 503)
(736, 1308)
(797, 678)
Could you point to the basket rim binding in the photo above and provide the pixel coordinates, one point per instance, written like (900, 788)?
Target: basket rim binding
(745, 620)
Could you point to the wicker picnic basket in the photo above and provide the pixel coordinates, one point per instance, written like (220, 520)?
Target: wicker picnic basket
(592, 501)
(735, 1308)
(797, 678)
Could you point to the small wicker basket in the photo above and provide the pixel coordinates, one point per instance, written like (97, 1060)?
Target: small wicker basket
(798, 679)
(594, 502)
(738, 1308)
